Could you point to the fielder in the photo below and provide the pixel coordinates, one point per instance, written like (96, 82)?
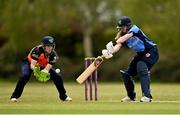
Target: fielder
(147, 55)
(40, 61)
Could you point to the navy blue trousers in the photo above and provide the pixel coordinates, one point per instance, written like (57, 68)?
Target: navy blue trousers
(149, 58)
(26, 74)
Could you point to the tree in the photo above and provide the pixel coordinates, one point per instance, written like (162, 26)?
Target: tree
(91, 14)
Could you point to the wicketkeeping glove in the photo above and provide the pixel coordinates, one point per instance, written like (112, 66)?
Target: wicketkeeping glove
(37, 71)
(44, 76)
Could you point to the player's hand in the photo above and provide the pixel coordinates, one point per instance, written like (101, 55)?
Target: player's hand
(44, 76)
(37, 71)
(110, 47)
(106, 54)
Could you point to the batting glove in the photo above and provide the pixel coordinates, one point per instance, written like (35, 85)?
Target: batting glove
(110, 47)
(106, 54)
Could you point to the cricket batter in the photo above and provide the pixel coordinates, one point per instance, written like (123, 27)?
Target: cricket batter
(40, 61)
(147, 55)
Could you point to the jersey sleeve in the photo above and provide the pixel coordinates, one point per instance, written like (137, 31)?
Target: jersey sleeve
(134, 29)
(35, 53)
(53, 58)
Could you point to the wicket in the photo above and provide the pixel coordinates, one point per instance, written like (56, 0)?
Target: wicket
(89, 81)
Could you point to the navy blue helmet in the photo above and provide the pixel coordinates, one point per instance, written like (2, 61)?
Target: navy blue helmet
(124, 21)
(48, 40)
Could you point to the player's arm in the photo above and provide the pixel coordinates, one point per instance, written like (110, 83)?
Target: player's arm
(117, 47)
(114, 46)
(52, 60)
(110, 49)
(122, 39)
(118, 35)
(35, 53)
(48, 67)
(45, 72)
(33, 63)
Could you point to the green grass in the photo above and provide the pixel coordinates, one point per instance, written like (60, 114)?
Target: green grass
(42, 98)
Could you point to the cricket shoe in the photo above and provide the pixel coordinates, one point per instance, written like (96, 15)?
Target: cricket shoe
(13, 100)
(145, 99)
(127, 99)
(68, 98)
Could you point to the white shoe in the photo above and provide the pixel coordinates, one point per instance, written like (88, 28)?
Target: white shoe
(68, 98)
(145, 99)
(13, 100)
(126, 99)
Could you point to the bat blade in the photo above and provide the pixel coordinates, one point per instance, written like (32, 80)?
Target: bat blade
(91, 68)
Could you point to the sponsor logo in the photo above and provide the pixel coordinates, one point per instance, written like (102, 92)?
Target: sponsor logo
(35, 55)
(148, 55)
(55, 59)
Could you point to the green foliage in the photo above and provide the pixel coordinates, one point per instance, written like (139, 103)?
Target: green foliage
(23, 23)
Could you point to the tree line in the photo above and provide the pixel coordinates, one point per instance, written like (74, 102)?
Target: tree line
(82, 28)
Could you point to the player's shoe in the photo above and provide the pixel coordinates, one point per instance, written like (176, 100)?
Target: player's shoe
(13, 99)
(68, 98)
(127, 99)
(145, 99)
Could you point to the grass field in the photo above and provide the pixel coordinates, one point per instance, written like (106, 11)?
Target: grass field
(40, 98)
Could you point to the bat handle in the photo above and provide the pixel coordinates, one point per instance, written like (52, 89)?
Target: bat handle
(102, 56)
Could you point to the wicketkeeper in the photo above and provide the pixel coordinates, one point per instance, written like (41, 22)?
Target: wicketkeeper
(40, 61)
(147, 55)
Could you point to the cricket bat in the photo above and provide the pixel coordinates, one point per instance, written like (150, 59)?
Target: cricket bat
(91, 68)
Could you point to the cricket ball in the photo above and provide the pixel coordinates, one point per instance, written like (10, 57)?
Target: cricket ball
(57, 70)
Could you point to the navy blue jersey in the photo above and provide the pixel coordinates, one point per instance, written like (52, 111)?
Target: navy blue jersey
(38, 54)
(139, 42)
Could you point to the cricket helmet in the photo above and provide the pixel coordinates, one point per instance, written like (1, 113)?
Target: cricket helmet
(124, 21)
(48, 40)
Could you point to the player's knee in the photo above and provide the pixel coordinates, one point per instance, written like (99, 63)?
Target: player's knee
(142, 68)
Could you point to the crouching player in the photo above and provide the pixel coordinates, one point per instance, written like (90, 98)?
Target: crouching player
(147, 55)
(40, 61)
